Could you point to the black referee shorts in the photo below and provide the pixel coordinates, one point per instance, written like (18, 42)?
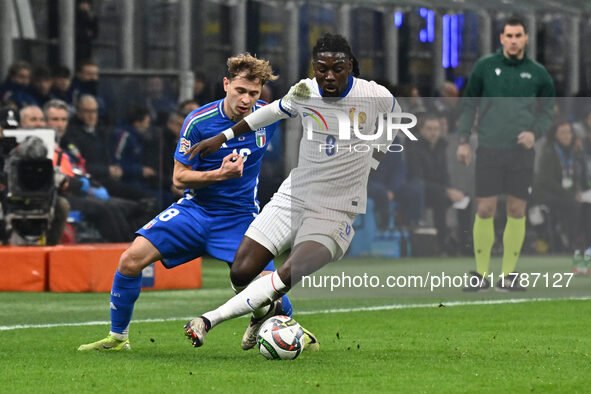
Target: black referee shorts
(504, 171)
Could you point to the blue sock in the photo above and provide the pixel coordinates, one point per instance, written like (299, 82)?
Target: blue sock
(286, 305)
(125, 291)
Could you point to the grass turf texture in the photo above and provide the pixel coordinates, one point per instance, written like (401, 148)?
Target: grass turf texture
(533, 346)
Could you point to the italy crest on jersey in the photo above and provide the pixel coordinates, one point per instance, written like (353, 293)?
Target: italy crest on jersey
(261, 137)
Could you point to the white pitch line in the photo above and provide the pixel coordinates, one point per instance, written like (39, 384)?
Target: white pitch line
(341, 310)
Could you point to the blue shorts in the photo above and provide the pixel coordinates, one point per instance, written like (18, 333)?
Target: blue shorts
(186, 230)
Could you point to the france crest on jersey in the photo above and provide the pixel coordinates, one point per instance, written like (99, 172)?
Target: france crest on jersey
(238, 194)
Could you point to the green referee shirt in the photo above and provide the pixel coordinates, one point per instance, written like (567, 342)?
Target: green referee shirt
(511, 96)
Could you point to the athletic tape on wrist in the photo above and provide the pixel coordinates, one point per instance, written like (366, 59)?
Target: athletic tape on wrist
(229, 133)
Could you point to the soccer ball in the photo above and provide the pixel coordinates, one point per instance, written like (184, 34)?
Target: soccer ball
(280, 338)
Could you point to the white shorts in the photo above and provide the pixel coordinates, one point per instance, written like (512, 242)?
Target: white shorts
(286, 221)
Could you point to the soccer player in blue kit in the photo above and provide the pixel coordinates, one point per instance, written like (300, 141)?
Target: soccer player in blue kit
(219, 202)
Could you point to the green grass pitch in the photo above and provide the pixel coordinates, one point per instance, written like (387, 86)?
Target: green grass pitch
(383, 344)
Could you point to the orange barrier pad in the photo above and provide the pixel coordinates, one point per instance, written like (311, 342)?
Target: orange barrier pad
(23, 268)
(91, 267)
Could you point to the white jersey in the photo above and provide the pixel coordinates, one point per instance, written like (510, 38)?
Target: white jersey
(332, 171)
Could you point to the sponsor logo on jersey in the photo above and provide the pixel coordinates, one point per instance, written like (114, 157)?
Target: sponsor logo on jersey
(525, 75)
(261, 137)
(150, 224)
(184, 145)
(498, 71)
(241, 138)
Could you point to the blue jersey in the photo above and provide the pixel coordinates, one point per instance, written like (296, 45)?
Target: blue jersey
(237, 194)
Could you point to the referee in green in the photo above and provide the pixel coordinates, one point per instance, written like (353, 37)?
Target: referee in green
(512, 97)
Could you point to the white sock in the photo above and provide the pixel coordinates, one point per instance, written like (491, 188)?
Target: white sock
(121, 337)
(257, 294)
(260, 312)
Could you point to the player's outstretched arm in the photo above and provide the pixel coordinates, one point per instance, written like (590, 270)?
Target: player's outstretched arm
(185, 177)
(213, 144)
(260, 118)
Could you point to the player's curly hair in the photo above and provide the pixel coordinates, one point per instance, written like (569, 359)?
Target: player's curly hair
(257, 68)
(335, 43)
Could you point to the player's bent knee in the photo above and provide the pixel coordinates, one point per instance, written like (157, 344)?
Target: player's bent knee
(133, 261)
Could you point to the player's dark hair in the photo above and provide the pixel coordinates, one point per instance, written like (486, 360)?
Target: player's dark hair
(335, 43)
(515, 20)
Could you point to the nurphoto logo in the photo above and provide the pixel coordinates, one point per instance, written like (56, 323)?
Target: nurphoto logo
(349, 124)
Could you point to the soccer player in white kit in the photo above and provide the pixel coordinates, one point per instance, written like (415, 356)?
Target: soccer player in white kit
(314, 209)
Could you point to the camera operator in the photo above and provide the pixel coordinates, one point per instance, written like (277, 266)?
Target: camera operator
(8, 120)
(31, 117)
(85, 195)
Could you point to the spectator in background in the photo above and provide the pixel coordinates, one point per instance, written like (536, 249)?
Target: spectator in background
(201, 91)
(61, 83)
(129, 144)
(83, 194)
(560, 181)
(187, 106)
(157, 100)
(272, 168)
(172, 133)
(32, 117)
(427, 165)
(41, 86)
(409, 97)
(86, 81)
(85, 137)
(86, 30)
(389, 184)
(447, 104)
(17, 86)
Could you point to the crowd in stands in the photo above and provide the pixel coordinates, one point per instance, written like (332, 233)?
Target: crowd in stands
(430, 189)
(117, 171)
